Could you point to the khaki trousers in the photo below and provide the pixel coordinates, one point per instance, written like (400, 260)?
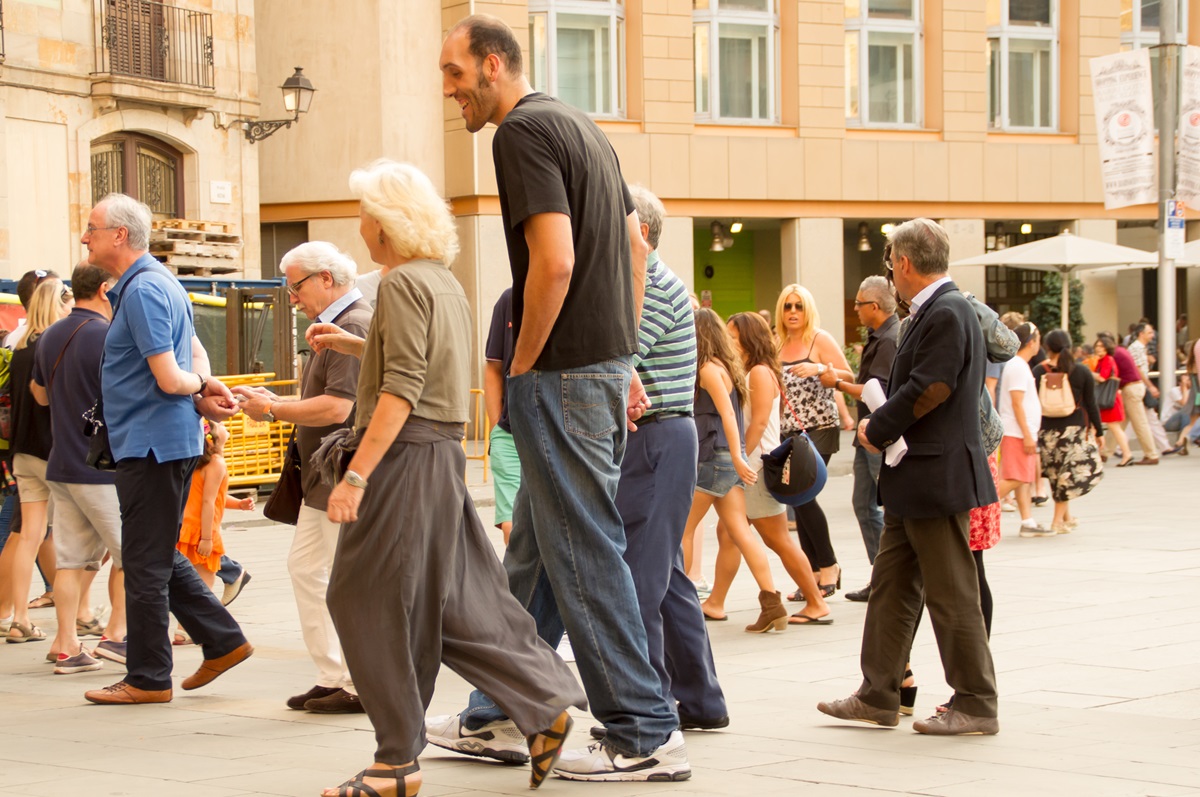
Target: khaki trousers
(1133, 395)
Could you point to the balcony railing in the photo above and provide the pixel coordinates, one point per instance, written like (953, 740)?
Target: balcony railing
(155, 41)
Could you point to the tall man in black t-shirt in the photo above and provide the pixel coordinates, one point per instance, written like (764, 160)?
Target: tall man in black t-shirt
(578, 264)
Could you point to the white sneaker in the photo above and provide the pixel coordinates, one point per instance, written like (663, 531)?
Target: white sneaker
(1008, 505)
(600, 762)
(1031, 528)
(501, 740)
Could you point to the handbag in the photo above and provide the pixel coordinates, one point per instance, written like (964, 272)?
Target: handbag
(1106, 393)
(99, 455)
(283, 505)
(794, 473)
(1056, 396)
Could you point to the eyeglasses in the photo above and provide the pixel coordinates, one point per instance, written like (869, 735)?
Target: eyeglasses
(294, 290)
(790, 306)
(90, 229)
(858, 304)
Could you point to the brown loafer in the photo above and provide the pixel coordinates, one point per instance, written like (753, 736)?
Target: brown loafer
(340, 702)
(1146, 461)
(211, 668)
(122, 694)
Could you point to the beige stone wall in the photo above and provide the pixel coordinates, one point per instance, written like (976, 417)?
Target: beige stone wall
(52, 106)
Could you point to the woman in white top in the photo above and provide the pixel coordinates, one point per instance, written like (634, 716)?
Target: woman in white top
(752, 337)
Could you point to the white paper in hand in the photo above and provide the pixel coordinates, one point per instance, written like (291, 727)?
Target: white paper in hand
(874, 397)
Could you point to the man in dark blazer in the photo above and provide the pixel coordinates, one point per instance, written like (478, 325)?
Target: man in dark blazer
(933, 401)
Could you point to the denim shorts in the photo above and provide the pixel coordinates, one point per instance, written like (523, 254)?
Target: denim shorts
(717, 476)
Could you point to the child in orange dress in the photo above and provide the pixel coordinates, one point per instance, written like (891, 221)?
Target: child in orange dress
(200, 535)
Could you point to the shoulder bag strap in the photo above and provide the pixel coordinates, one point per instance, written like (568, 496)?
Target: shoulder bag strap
(66, 345)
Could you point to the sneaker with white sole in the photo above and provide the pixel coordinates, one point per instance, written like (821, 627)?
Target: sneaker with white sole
(1034, 529)
(80, 662)
(501, 740)
(108, 649)
(601, 763)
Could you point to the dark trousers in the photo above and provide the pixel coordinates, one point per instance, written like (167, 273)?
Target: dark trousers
(159, 579)
(811, 524)
(654, 496)
(929, 556)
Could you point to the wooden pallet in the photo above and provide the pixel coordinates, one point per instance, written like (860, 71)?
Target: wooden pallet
(191, 224)
(172, 234)
(196, 248)
(197, 266)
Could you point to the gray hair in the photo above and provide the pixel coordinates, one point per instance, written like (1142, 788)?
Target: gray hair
(650, 212)
(876, 289)
(925, 243)
(317, 256)
(122, 210)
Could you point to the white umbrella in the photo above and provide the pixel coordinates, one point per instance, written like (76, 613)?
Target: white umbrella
(1065, 253)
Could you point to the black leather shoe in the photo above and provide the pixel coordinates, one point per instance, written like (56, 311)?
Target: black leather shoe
(598, 732)
(340, 702)
(316, 692)
(860, 595)
(687, 723)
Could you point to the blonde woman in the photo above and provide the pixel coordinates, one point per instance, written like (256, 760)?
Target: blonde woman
(397, 593)
(805, 352)
(31, 441)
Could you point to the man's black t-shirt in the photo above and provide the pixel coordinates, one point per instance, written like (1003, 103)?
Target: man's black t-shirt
(551, 158)
(499, 347)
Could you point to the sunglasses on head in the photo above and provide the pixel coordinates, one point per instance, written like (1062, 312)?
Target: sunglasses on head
(790, 306)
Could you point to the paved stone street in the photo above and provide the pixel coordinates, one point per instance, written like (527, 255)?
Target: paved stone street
(1096, 645)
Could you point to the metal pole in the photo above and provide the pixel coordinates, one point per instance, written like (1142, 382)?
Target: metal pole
(1168, 122)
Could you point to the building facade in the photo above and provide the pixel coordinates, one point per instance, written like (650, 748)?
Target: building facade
(807, 124)
(122, 95)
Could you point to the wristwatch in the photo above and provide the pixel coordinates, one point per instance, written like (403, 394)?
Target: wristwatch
(203, 385)
(270, 416)
(354, 480)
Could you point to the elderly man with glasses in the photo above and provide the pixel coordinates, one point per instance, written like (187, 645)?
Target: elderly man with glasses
(321, 285)
(876, 309)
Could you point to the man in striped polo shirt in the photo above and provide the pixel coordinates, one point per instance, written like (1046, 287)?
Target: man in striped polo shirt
(658, 478)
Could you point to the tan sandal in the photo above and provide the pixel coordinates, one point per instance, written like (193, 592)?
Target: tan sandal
(25, 633)
(42, 601)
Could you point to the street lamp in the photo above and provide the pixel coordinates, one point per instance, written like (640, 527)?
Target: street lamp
(297, 97)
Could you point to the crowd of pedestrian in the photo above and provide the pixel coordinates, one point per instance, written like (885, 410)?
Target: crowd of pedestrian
(623, 413)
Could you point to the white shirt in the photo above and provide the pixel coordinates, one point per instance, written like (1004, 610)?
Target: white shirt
(17, 335)
(336, 307)
(1018, 376)
(770, 437)
(368, 284)
(927, 293)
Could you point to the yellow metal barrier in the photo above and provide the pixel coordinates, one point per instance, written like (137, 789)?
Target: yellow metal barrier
(255, 451)
(476, 446)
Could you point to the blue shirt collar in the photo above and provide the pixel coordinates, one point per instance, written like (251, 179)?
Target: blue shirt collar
(146, 259)
(334, 310)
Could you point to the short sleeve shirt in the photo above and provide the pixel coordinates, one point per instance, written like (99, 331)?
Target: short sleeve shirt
(551, 158)
(1019, 376)
(76, 344)
(499, 347)
(329, 373)
(152, 316)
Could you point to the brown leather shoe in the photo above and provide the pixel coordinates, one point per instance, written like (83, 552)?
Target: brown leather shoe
(340, 702)
(211, 668)
(1146, 461)
(956, 723)
(851, 708)
(122, 694)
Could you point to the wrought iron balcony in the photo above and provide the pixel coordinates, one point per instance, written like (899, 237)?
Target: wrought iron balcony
(155, 41)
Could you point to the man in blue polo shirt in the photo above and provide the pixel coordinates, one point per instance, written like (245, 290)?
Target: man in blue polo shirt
(155, 383)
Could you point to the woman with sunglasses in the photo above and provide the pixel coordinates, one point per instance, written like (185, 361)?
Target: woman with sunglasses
(805, 352)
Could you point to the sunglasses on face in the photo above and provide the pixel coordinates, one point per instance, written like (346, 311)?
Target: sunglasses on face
(790, 306)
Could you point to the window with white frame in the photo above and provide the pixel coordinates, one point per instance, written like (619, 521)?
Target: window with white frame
(577, 53)
(1140, 23)
(883, 42)
(736, 59)
(1022, 64)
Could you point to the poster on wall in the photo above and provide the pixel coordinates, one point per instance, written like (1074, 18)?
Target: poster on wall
(1125, 127)
(1188, 174)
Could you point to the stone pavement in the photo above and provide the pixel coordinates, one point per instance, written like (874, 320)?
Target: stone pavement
(1096, 645)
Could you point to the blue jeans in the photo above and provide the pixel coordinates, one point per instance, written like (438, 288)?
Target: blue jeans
(564, 559)
(866, 499)
(230, 570)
